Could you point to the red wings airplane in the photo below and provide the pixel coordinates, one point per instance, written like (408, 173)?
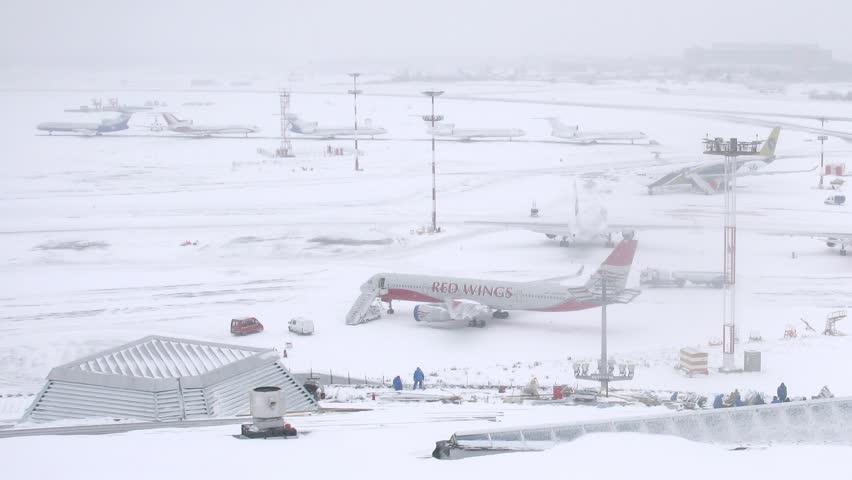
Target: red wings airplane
(464, 301)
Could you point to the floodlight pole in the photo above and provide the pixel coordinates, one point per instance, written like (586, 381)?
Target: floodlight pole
(432, 119)
(730, 150)
(603, 366)
(822, 139)
(604, 375)
(285, 149)
(354, 92)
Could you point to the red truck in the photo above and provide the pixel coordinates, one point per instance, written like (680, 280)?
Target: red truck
(246, 326)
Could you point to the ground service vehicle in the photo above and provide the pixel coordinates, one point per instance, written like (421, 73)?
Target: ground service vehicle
(301, 326)
(246, 326)
(655, 277)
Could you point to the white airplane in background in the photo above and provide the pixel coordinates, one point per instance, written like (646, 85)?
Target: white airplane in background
(465, 301)
(312, 128)
(708, 177)
(106, 125)
(588, 225)
(572, 134)
(177, 125)
(466, 134)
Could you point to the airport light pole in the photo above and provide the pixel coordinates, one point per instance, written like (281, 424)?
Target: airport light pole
(603, 366)
(432, 119)
(730, 150)
(354, 92)
(604, 375)
(822, 139)
(285, 149)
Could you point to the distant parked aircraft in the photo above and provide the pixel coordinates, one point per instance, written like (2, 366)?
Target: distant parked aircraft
(177, 125)
(86, 128)
(586, 225)
(573, 134)
(312, 128)
(467, 134)
(112, 105)
(708, 177)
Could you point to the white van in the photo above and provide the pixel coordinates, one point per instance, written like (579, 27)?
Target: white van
(301, 326)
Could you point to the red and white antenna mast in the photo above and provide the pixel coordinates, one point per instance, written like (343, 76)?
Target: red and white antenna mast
(286, 148)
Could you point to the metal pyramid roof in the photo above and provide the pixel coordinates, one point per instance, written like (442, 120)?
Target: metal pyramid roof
(159, 357)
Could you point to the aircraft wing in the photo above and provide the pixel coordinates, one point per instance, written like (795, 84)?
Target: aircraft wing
(567, 229)
(776, 172)
(85, 131)
(581, 140)
(561, 229)
(831, 239)
(837, 236)
(560, 278)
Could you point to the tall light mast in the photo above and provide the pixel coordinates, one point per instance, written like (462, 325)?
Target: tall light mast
(822, 139)
(605, 374)
(285, 149)
(730, 150)
(354, 92)
(432, 119)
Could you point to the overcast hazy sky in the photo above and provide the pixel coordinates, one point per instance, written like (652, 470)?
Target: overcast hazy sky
(238, 34)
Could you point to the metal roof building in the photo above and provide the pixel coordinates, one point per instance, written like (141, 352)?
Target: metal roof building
(160, 379)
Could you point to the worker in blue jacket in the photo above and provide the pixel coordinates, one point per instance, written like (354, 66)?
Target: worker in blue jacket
(397, 383)
(782, 392)
(418, 378)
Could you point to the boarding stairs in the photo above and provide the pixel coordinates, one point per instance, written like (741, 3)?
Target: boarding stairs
(359, 312)
(831, 323)
(701, 184)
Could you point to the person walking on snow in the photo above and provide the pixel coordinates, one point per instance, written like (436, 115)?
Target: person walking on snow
(782, 392)
(418, 378)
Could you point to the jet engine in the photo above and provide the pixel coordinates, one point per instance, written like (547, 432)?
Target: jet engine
(462, 314)
(431, 313)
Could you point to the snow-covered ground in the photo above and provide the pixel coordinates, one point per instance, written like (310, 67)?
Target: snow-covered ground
(91, 255)
(392, 450)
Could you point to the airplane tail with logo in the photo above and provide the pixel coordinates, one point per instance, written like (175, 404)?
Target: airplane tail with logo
(300, 126)
(172, 120)
(124, 118)
(768, 149)
(556, 125)
(616, 269)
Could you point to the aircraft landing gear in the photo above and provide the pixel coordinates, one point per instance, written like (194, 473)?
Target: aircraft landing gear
(390, 307)
(476, 323)
(501, 314)
(843, 252)
(609, 242)
(564, 242)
